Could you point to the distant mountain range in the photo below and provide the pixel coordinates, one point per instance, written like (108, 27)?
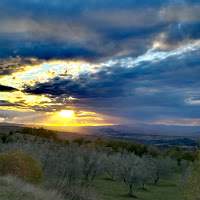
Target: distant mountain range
(144, 129)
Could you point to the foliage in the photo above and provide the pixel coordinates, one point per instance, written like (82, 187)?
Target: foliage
(81, 141)
(161, 167)
(175, 153)
(21, 165)
(92, 163)
(128, 170)
(188, 155)
(111, 167)
(179, 154)
(191, 189)
(66, 167)
(99, 143)
(153, 151)
(41, 132)
(116, 145)
(144, 170)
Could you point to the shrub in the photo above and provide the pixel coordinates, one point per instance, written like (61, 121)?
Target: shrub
(153, 151)
(189, 155)
(21, 165)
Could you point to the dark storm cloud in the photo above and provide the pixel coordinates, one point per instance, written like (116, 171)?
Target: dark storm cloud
(183, 31)
(38, 30)
(11, 65)
(149, 90)
(175, 71)
(4, 88)
(93, 30)
(6, 103)
(16, 104)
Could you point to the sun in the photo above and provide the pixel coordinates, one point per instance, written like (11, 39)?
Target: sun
(66, 113)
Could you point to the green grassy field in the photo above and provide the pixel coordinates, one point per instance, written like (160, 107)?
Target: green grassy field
(12, 189)
(165, 190)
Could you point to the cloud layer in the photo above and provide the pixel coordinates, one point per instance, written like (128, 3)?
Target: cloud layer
(150, 90)
(146, 57)
(4, 88)
(93, 30)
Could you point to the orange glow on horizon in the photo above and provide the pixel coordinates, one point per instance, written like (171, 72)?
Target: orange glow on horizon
(74, 118)
(81, 124)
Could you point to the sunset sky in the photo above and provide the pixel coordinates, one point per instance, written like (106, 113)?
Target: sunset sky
(100, 62)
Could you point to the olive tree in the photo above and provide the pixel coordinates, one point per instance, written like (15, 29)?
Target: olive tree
(191, 188)
(40, 148)
(112, 162)
(128, 171)
(59, 163)
(144, 170)
(92, 163)
(161, 167)
(67, 166)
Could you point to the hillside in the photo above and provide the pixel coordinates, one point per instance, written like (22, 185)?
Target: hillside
(162, 136)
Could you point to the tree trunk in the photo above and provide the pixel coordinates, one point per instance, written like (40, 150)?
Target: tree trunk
(86, 177)
(61, 181)
(44, 165)
(130, 190)
(156, 180)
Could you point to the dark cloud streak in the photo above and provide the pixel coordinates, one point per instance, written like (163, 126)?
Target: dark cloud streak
(4, 88)
(151, 90)
(93, 30)
(33, 32)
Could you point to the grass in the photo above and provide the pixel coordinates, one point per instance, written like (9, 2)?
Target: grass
(165, 190)
(14, 189)
(8, 193)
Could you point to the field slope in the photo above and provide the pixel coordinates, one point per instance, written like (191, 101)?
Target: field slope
(165, 190)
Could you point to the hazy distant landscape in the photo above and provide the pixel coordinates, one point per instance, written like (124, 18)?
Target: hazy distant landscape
(162, 136)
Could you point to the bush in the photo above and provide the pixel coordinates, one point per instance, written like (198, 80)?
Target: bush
(189, 155)
(21, 165)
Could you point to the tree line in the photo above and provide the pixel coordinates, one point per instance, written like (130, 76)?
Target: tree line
(65, 164)
(174, 152)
